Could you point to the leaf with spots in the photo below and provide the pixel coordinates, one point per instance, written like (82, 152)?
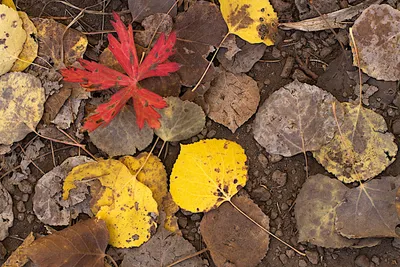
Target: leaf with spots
(180, 120)
(125, 204)
(362, 150)
(208, 173)
(82, 244)
(376, 34)
(21, 106)
(254, 21)
(296, 118)
(12, 37)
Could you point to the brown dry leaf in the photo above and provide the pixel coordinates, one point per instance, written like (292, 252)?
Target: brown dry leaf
(369, 210)
(162, 249)
(164, 86)
(122, 136)
(19, 258)
(48, 205)
(155, 23)
(6, 212)
(140, 9)
(54, 104)
(53, 43)
(376, 35)
(232, 99)
(82, 244)
(316, 213)
(244, 59)
(234, 239)
(196, 40)
(296, 114)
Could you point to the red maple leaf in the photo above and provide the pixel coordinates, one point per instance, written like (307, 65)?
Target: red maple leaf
(99, 77)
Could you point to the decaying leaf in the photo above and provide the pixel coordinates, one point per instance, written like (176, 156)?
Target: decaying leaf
(54, 104)
(315, 212)
(376, 35)
(140, 9)
(48, 205)
(82, 244)
(30, 49)
(162, 249)
(159, 23)
(21, 106)
(229, 235)
(244, 59)
(57, 44)
(6, 212)
(180, 120)
(122, 135)
(19, 258)
(12, 38)
(124, 203)
(364, 149)
(255, 21)
(296, 118)
(170, 208)
(369, 210)
(207, 173)
(232, 99)
(195, 40)
(152, 175)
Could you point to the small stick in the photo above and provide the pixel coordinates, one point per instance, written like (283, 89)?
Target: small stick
(306, 69)
(33, 163)
(73, 140)
(52, 153)
(188, 257)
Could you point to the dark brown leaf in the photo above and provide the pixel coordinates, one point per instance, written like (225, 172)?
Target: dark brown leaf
(143, 8)
(82, 244)
(199, 30)
(54, 103)
(232, 238)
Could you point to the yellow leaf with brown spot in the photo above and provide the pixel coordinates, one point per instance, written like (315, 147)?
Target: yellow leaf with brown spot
(254, 21)
(362, 148)
(30, 49)
(21, 105)
(12, 38)
(58, 44)
(124, 203)
(208, 173)
(9, 3)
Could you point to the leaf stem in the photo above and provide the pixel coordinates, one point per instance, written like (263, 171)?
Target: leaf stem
(265, 230)
(188, 257)
(210, 63)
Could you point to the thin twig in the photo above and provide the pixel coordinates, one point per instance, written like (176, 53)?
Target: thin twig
(76, 143)
(306, 69)
(188, 257)
(33, 163)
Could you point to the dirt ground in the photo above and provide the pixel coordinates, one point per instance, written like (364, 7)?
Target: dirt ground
(277, 201)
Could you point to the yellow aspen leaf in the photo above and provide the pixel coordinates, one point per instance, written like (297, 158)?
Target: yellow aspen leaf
(30, 49)
(12, 38)
(124, 203)
(153, 173)
(254, 21)
(21, 105)
(207, 173)
(9, 3)
(154, 176)
(362, 148)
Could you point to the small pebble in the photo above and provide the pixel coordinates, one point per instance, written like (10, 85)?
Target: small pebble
(21, 206)
(25, 197)
(30, 218)
(21, 216)
(335, 256)
(312, 256)
(279, 233)
(396, 242)
(302, 263)
(211, 133)
(274, 158)
(273, 215)
(309, 35)
(396, 126)
(284, 206)
(375, 260)
(182, 221)
(362, 261)
(204, 131)
(284, 259)
(279, 177)
(25, 187)
(263, 160)
(209, 124)
(195, 139)
(17, 197)
(325, 51)
(261, 194)
(195, 217)
(290, 253)
(186, 213)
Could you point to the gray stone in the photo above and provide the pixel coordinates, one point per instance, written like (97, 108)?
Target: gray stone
(195, 217)
(312, 256)
(21, 206)
(302, 263)
(362, 261)
(211, 133)
(274, 158)
(263, 160)
(261, 194)
(325, 51)
(25, 187)
(273, 215)
(182, 221)
(279, 177)
(396, 126)
(284, 259)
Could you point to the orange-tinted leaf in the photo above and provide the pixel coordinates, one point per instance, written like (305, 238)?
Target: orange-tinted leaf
(82, 244)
